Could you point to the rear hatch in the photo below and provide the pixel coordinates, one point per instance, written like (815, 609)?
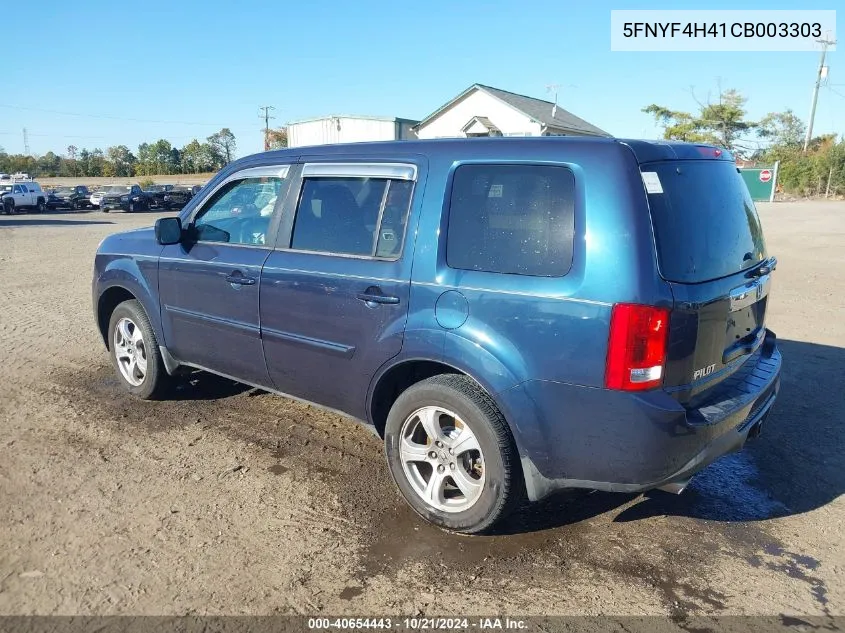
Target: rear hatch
(711, 251)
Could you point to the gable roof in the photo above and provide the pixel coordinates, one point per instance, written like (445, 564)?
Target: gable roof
(537, 109)
(483, 120)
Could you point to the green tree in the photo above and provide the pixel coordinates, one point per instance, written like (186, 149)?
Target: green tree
(223, 145)
(161, 156)
(144, 165)
(783, 129)
(278, 138)
(721, 123)
(96, 162)
(191, 157)
(174, 161)
(122, 160)
(679, 126)
(48, 165)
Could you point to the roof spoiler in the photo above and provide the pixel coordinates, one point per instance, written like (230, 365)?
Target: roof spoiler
(653, 151)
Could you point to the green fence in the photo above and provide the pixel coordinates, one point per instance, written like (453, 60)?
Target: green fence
(761, 182)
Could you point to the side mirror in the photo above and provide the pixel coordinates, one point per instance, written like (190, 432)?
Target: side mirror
(168, 231)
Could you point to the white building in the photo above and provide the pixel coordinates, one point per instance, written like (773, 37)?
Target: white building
(484, 111)
(348, 129)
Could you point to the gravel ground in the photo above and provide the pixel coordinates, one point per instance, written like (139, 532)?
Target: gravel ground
(228, 500)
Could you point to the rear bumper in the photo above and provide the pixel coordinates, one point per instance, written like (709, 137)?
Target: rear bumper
(580, 437)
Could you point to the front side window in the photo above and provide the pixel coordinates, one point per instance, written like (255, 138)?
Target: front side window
(240, 212)
(363, 216)
(516, 219)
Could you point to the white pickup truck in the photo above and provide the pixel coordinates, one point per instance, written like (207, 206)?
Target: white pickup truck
(20, 196)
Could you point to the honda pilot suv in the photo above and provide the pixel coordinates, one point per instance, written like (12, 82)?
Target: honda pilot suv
(511, 316)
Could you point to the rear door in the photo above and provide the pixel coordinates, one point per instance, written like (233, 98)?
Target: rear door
(334, 294)
(209, 283)
(711, 250)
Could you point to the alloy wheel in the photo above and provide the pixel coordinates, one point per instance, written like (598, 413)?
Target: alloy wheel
(130, 351)
(441, 459)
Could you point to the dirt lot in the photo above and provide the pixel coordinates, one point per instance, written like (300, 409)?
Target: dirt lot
(228, 500)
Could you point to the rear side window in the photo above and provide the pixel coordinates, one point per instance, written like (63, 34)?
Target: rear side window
(516, 219)
(352, 216)
(705, 223)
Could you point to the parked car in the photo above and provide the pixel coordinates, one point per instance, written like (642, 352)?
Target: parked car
(512, 317)
(21, 196)
(77, 197)
(179, 196)
(156, 194)
(97, 197)
(124, 197)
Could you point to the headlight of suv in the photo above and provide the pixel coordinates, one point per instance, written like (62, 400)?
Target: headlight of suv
(124, 198)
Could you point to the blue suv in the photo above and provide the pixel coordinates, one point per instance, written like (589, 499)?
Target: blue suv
(511, 316)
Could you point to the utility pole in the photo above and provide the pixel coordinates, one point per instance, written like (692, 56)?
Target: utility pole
(267, 118)
(25, 142)
(819, 76)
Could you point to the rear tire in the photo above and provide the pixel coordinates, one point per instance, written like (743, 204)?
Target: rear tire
(472, 478)
(134, 352)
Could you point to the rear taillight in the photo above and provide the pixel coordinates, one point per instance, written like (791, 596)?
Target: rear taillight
(636, 350)
(709, 152)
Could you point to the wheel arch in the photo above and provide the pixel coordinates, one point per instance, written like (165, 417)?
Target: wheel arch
(401, 374)
(117, 285)
(106, 304)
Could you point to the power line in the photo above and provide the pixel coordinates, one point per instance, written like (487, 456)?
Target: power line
(836, 92)
(106, 116)
(267, 118)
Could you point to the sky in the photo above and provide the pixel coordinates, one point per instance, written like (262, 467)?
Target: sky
(183, 69)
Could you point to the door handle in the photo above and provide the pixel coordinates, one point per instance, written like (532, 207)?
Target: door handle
(239, 279)
(373, 295)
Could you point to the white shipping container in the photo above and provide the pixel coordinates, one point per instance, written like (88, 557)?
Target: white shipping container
(348, 129)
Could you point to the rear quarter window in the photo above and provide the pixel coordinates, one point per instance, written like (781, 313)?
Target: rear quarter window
(514, 219)
(705, 223)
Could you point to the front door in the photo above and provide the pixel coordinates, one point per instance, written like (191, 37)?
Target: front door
(209, 284)
(334, 296)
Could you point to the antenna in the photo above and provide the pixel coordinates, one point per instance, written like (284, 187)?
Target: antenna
(25, 142)
(554, 88)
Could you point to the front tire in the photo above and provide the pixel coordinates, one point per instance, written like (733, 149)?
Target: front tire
(451, 454)
(9, 207)
(134, 352)
(42, 206)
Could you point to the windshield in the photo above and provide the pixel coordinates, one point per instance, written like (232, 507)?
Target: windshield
(120, 190)
(705, 223)
(63, 190)
(156, 188)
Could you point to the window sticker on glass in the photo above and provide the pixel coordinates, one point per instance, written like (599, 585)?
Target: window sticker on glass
(495, 191)
(652, 182)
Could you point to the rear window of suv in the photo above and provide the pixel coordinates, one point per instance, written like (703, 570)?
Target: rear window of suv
(705, 223)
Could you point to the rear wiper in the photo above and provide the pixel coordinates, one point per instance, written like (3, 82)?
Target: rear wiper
(764, 268)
